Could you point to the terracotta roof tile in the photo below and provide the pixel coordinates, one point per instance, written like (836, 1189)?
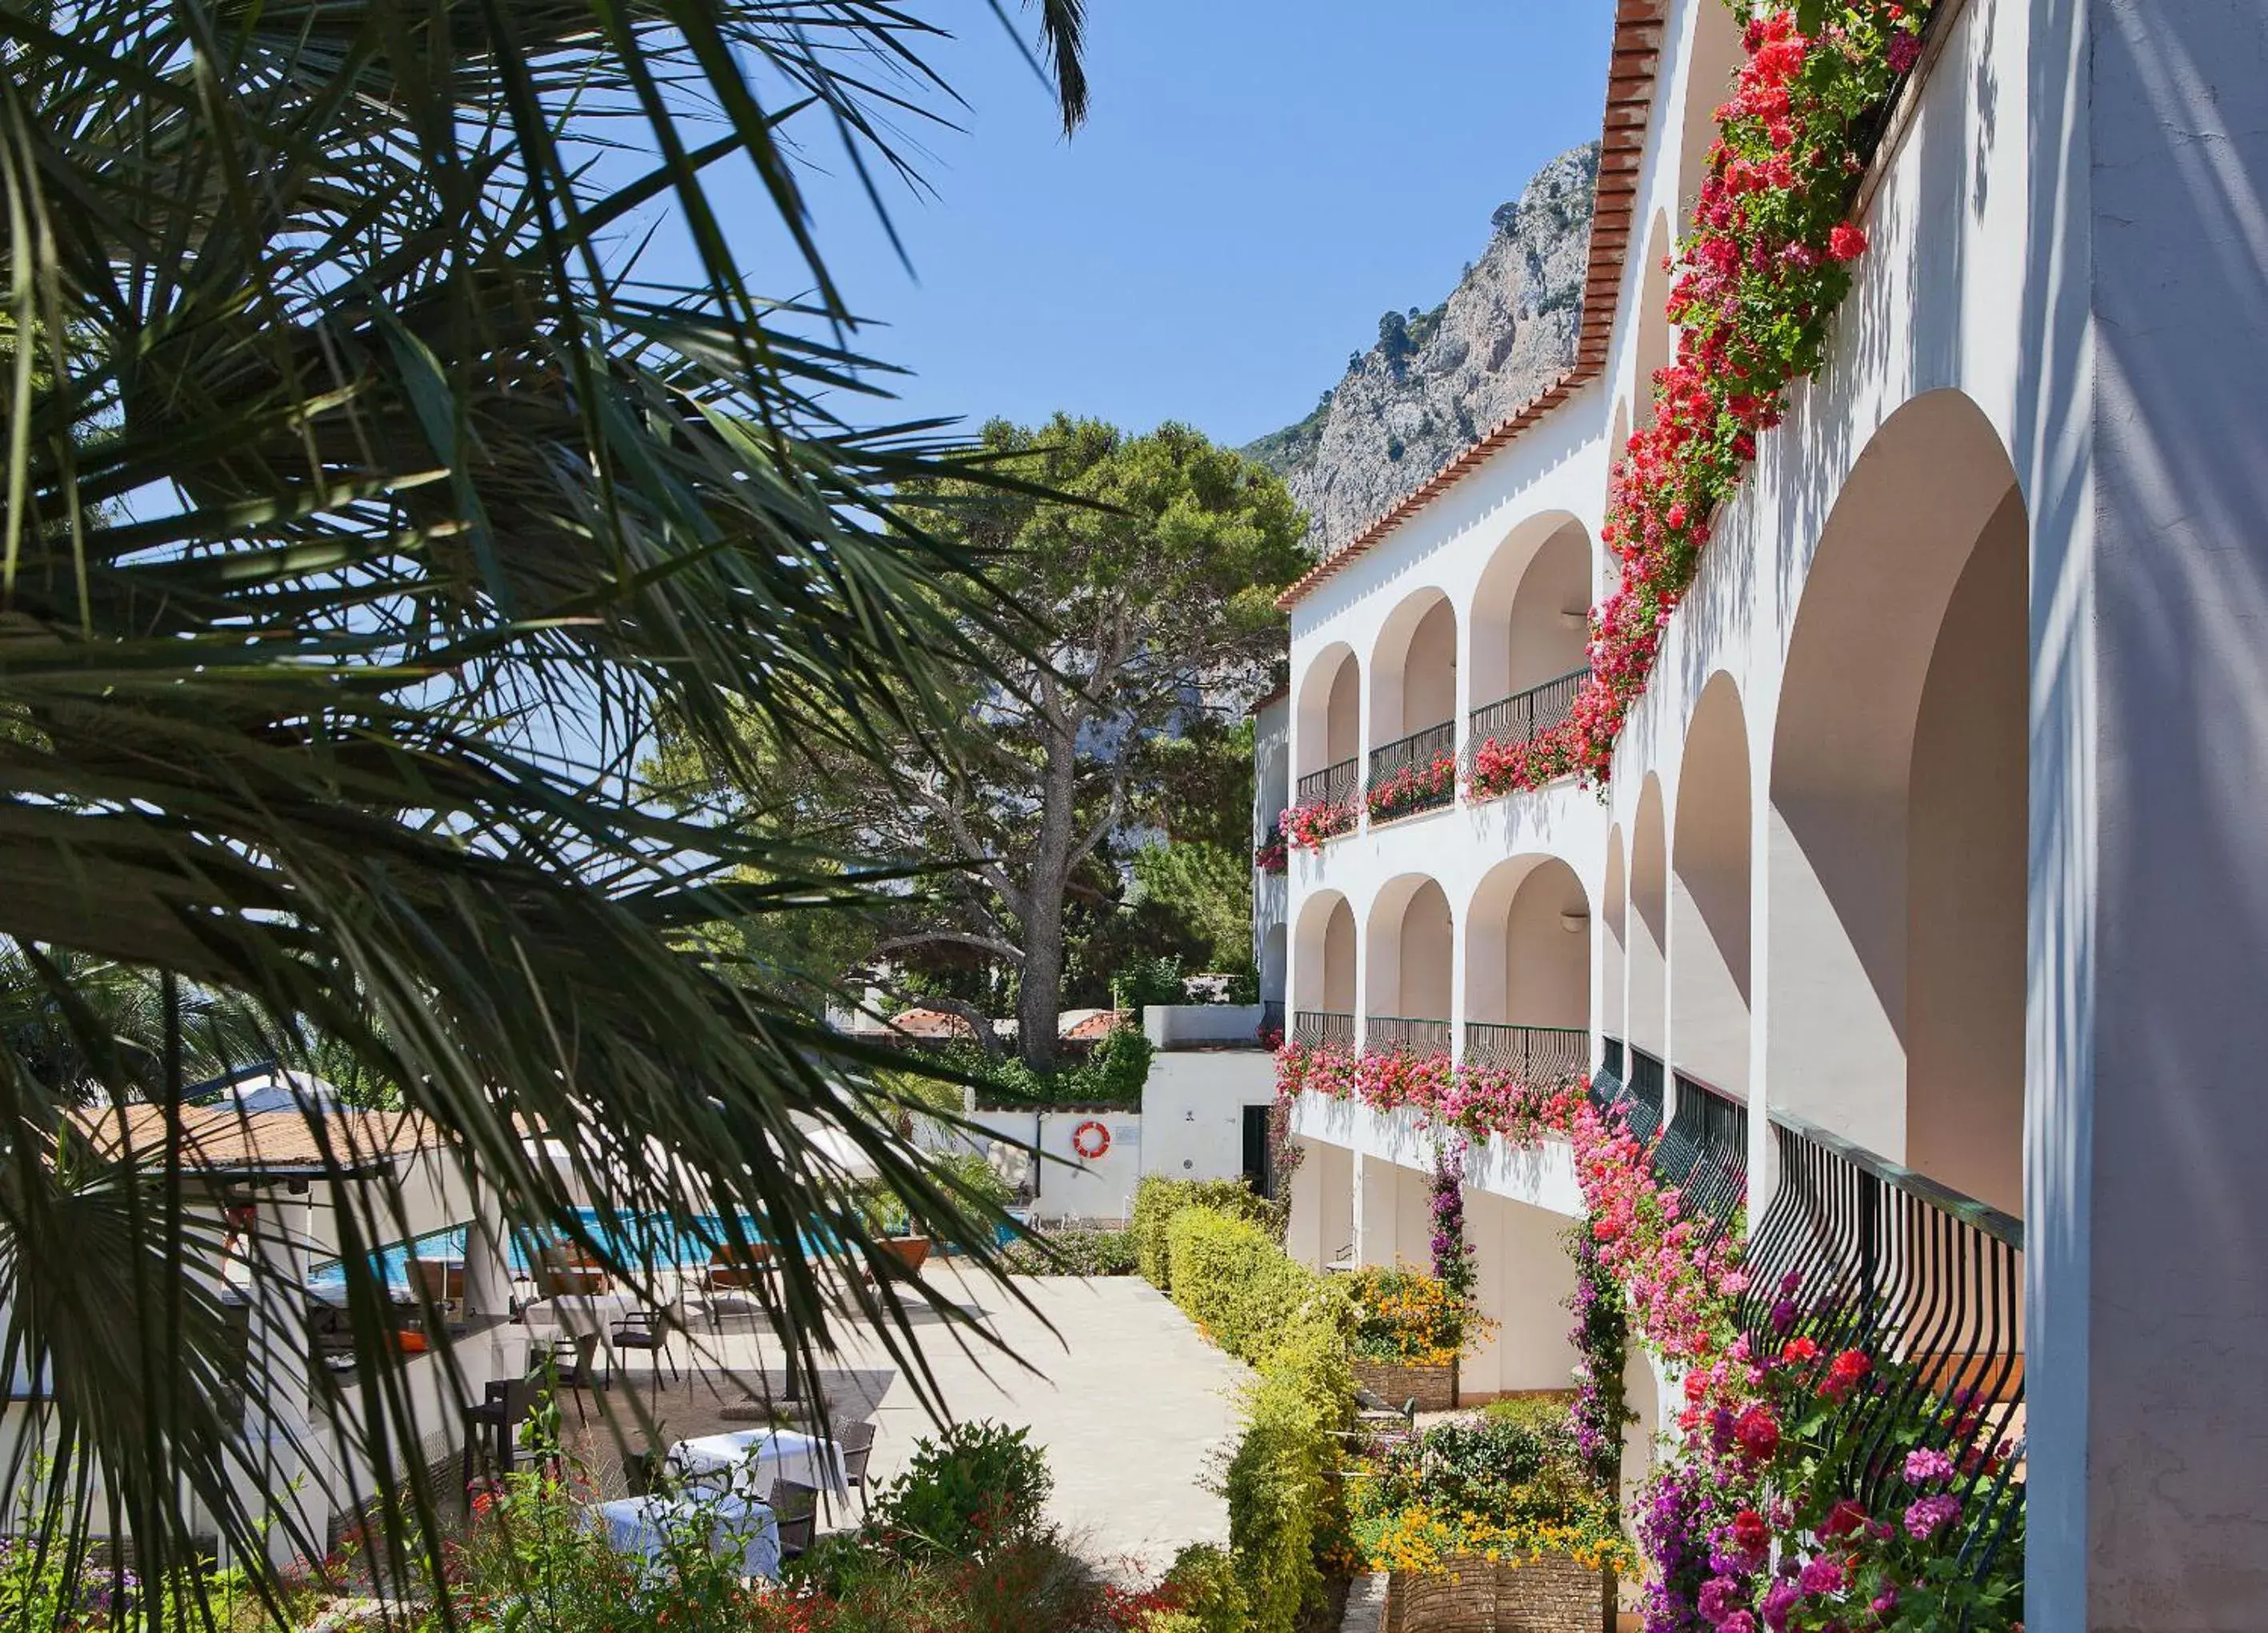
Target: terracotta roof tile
(1633, 64)
(220, 1139)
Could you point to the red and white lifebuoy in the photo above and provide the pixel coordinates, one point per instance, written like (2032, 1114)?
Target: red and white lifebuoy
(1090, 1139)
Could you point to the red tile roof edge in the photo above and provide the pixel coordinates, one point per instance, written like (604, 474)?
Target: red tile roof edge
(1633, 62)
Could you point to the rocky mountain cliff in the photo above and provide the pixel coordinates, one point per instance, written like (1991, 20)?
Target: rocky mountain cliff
(1436, 381)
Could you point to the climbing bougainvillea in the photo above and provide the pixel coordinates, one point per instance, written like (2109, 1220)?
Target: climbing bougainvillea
(1755, 282)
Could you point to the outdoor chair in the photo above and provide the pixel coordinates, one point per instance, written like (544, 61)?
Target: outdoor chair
(648, 1330)
(734, 1270)
(499, 1416)
(795, 1506)
(441, 1286)
(560, 1274)
(566, 1360)
(856, 1445)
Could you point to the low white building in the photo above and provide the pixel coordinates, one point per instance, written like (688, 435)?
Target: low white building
(1934, 843)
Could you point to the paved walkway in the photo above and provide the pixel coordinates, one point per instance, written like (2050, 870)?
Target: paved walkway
(1133, 1410)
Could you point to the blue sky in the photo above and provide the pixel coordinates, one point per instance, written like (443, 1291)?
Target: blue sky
(1259, 180)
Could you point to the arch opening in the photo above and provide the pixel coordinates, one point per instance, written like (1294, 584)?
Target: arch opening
(1330, 716)
(1528, 970)
(1648, 923)
(1408, 971)
(1614, 946)
(1322, 972)
(1897, 830)
(1531, 621)
(1708, 896)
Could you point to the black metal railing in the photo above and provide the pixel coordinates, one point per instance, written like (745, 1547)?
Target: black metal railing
(1537, 1056)
(1399, 1035)
(1525, 716)
(1414, 773)
(1644, 1084)
(1271, 1017)
(1860, 1253)
(1704, 1153)
(1322, 1029)
(1610, 1057)
(1333, 785)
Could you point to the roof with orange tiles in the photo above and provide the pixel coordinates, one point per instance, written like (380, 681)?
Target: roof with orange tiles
(1095, 1028)
(1633, 62)
(220, 1139)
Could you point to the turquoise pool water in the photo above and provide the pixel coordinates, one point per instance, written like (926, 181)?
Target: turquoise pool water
(653, 1239)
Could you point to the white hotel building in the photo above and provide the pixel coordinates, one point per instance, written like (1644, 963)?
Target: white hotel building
(1938, 845)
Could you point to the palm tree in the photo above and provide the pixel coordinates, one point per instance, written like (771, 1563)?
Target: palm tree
(365, 502)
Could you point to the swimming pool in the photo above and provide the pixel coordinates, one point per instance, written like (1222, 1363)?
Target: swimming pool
(654, 1238)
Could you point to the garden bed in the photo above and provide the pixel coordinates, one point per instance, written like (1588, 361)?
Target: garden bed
(1472, 1593)
(1434, 1389)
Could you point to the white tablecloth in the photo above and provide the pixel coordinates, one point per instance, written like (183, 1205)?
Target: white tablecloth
(751, 1460)
(739, 1525)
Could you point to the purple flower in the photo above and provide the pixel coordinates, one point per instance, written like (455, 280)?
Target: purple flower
(1905, 51)
(1778, 1602)
(1884, 1603)
(1720, 1597)
(1928, 1514)
(1821, 1573)
(1783, 1315)
(1925, 1465)
(1738, 1621)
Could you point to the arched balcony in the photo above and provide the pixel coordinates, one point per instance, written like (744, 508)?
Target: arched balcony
(1328, 732)
(1527, 971)
(1709, 897)
(1322, 977)
(1897, 832)
(1530, 632)
(1413, 709)
(1647, 926)
(1410, 952)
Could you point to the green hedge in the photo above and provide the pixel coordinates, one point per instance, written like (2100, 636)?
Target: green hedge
(1233, 1280)
(1157, 1200)
(1285, 1509)
(1294, 1326)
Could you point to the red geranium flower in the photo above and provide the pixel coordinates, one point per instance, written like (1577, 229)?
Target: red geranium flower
(1845, 1375)
(1846, 242)
(1758, 1432)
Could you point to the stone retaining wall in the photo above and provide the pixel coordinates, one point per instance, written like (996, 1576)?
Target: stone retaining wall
(1552, 1594)
(1435, 1388)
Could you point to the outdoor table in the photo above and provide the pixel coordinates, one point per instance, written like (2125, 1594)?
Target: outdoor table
(754, 1457)
(740, 1526)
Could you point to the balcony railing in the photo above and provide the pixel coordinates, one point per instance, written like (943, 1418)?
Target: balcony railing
(1537, 1056)
(1644, 1085)
(1414, 773)
(1858, 1253)
(1398, 1034)
(1322, 1029)
(1333, 785)
(1525, 716)
(1704, 1153)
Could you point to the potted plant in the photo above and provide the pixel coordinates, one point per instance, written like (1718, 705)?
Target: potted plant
(1411, 1328)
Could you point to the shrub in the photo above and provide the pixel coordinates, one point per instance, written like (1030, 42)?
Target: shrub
(1157, 1199)
(1141, 982)
(1233, 1280)
(1284, 1509)
(1410, 1319)
(1115, 1070)
(1487, 1483)
(977, 1487)
(1075, 1253)
(1200, 1594)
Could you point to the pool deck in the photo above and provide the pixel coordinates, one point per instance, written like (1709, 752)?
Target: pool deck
(1133, 1408)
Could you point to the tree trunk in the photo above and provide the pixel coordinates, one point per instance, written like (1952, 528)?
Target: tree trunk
(1039, 996)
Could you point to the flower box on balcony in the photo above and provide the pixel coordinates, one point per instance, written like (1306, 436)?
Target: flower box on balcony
(1472, 1593)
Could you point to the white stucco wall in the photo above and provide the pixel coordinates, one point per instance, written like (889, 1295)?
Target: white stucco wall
(1193, 1110)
